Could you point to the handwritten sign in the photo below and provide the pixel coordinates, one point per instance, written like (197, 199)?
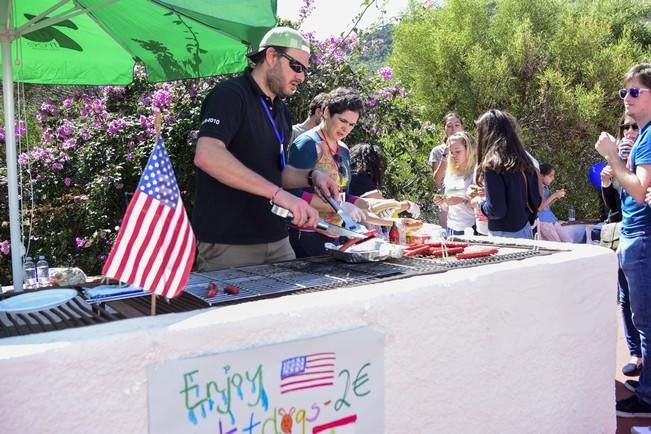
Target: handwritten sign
(332, 384)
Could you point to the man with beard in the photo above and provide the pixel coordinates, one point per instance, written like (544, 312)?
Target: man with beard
(241, 160)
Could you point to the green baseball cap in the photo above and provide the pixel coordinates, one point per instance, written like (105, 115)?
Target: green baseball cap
(282, 37)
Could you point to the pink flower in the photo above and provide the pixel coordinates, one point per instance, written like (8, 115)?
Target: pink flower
(67, 182)
(82, 243)
(386, 73)
(5, 247)
(23, 159)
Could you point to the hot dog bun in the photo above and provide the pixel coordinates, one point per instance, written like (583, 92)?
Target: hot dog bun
(377, 206)
(410, 224)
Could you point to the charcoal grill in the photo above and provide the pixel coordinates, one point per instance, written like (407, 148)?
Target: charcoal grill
(253, 283)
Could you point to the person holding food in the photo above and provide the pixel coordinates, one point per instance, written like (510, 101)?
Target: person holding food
(322, 148)
(240, 160)
(549, 226)
(367, 163)
(462, 158)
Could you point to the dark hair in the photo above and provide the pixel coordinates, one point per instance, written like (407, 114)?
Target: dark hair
(344, 99)
(368, 159)
(317, 102)
(258, 58)
(499, 146)
(641, 71)
(622, 121)
(451, 115)
(445, 121)
(546, 169)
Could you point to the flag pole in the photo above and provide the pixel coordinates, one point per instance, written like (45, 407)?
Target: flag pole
(157, 124)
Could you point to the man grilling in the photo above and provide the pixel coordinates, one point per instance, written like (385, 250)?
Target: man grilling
(240, 158)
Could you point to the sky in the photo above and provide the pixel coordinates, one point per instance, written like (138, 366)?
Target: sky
(332, 17)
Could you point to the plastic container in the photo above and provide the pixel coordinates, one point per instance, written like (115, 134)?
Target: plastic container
(624, 149)
(43, 272)
(571, 214)
(31, 280)
(409, 237)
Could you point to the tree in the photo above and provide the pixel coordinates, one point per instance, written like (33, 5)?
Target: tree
(555, 65)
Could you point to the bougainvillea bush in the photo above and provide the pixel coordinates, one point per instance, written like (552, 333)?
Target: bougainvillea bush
(91, 147)
(88, 159)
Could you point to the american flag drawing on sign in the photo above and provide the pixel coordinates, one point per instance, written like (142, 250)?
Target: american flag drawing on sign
(307, 372)
(155, 247)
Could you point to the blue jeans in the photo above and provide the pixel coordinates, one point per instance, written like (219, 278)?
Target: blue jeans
(630, 332)
(635, 260)
(525, 232)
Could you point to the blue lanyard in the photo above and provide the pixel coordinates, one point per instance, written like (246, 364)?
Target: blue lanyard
(279, 136)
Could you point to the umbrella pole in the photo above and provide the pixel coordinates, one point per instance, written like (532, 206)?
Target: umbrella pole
(12, 167)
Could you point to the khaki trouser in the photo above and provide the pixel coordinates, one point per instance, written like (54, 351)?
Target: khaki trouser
(215, 256)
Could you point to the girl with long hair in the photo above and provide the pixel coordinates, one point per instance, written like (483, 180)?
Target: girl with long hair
(462, 158)
(510, 181)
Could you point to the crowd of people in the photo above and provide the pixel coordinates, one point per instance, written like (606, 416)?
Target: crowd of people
(249, 156)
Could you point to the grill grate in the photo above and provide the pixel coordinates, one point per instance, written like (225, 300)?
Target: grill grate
(254, 283)
(74, 313)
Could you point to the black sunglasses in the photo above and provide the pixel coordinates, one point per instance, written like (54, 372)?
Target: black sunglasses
(626, 127)
(634, 92)
(296, 66)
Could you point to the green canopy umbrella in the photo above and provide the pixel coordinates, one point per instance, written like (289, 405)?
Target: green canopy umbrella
(98, 42)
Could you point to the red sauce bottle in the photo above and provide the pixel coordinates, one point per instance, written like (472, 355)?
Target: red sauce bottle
(394, 235)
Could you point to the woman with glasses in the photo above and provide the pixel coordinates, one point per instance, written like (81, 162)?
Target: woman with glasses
(508, 176)
(634, 251)
(322, 148)
(610, 191)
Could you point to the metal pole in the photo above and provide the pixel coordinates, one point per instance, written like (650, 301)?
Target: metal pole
(12, 167)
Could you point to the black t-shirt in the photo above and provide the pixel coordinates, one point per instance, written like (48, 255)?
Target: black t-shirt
(360, 183)
(233, 113)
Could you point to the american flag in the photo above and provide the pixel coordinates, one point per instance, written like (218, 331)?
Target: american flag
(307, 372)
(155, 246)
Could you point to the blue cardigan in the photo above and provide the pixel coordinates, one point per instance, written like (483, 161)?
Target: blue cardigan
(505, 204)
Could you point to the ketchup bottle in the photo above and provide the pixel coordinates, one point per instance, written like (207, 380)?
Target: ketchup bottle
(394, 234)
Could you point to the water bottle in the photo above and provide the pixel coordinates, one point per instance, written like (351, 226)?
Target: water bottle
(31, 280)
(571, 214)
(43, 272)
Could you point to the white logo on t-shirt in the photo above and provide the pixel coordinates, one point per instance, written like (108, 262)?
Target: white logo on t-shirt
(210, 121)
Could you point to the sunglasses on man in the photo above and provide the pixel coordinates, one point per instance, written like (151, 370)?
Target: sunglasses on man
(626, 127)
(296, 66)
(634, 92)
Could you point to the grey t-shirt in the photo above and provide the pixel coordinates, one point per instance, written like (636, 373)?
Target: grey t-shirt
(437, 154)
(297, 130)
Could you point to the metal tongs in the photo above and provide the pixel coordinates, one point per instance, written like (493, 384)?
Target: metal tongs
(348, 222)
(322, 224)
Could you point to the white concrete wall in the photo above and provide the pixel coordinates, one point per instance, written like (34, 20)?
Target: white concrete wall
(520, 347)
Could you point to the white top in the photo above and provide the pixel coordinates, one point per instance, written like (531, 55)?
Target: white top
(460, 216)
